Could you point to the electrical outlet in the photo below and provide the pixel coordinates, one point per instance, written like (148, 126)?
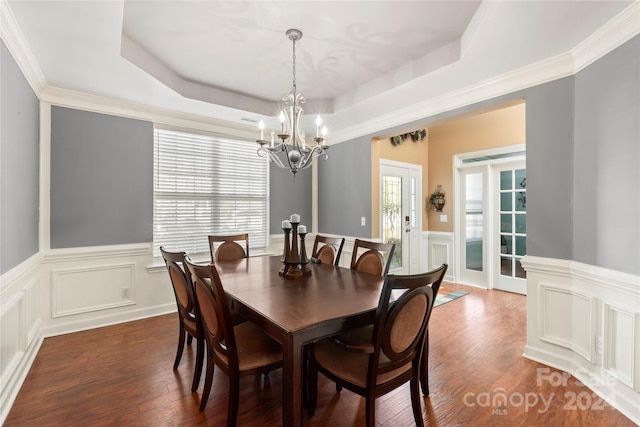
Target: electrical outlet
(124, 293)
(363, 221)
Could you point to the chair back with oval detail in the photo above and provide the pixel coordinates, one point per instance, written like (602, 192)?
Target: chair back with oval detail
(371, 257)
(327, 249)
(226, 247)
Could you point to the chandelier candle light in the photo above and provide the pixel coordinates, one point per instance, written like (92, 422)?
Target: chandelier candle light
(294, 262)
(299, 155)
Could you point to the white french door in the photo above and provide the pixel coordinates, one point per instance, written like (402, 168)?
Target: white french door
(510, 227)
(491, 219)
(400, 214)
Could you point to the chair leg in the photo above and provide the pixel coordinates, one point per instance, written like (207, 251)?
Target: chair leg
(312, 387)
(199, 361)
(180, 348)
(415, 402)
(305, 376)
(234, 398)
(189, 339)
(424, 362)
(370, 408)
(207, 383)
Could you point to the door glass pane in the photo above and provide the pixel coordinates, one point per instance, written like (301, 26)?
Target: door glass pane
(506, 268)
(521, 223)
(521, 178)
(474, 226)
(506, 183)
(520, 201)
(506, 245)
(392, 216)
(521, 245)
(505, 202)
(505, 223)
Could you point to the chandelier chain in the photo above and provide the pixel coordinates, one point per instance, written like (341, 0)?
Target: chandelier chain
(294, 67)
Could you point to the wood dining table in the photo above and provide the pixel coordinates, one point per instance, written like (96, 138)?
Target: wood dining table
(330, 300)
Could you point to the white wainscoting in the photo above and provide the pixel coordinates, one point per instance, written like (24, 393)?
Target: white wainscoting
(20, 331)
(86, 288)
(585, 320)
(82, 290)
(553, 305)
(440, 249)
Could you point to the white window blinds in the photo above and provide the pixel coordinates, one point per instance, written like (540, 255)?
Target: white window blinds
(206, 185)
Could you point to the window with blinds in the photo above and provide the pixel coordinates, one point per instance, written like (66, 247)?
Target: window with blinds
(206, 185)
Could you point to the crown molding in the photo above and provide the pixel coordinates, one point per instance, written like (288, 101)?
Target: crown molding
(17, 45)
(616, 32)
(104, 105)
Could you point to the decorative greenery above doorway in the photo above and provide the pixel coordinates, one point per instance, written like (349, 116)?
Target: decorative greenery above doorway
(417, 135)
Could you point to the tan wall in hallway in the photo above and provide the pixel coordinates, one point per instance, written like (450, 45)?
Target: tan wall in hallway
(496, 128)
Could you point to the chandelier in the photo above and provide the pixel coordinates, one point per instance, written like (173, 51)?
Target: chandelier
(292, 141)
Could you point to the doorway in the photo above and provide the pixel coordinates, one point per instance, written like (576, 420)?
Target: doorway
(400, 214)
(491, 218)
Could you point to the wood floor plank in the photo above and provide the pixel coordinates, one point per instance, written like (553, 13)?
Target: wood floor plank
(122, 375)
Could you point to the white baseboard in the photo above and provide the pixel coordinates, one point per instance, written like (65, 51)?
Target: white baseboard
(107, 320)
(10, 388)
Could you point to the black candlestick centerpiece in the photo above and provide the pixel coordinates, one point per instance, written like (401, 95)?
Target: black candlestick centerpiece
(302, 231)
(294, 262)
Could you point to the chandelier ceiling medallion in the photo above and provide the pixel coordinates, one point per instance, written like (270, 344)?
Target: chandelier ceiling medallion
(298, 154)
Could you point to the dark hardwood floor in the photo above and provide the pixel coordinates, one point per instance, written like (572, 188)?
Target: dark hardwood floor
(122, 376)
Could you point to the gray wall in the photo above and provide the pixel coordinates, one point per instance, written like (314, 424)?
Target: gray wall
(549, 122)
(287, 197)
(606, 186)
(344, 189)
(19, 165)
(101, 179)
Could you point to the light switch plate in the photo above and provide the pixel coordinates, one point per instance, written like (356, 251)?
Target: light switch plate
(443, 218)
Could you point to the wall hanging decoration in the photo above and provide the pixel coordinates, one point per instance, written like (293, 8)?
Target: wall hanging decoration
(436, 199)
(417, 135)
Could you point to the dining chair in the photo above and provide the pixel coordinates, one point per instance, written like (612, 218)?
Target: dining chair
(188, 316)
(371, 257)
(390, 357)
(367, 257)
(327, 249)
(227, 248)
(238, 350)
(437, 275)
